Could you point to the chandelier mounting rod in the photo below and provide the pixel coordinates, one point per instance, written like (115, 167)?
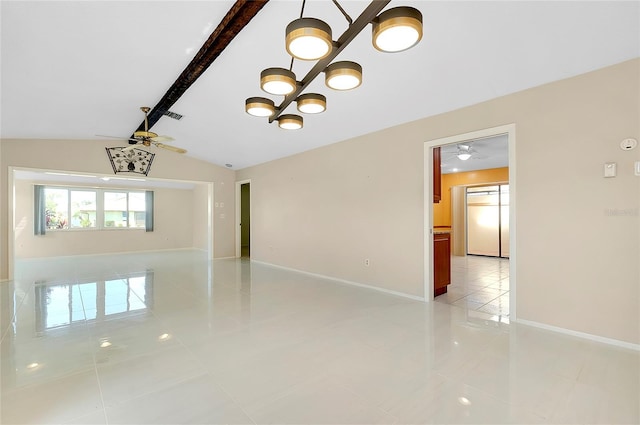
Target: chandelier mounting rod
(302, 8)
(343, 12)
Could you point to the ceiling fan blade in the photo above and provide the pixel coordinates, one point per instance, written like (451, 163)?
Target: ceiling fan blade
(112, 137)
(162, 139)
(171, 148)
(119, 138)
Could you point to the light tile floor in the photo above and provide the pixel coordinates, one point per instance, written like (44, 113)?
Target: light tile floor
(480, 284)
(170, 337)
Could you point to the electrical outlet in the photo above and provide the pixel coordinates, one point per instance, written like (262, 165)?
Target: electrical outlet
(367, 262)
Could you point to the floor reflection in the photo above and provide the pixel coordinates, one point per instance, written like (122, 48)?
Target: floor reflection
(174, 337)
(61, 304)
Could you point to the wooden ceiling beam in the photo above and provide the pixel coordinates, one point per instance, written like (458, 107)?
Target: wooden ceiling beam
(234, 21)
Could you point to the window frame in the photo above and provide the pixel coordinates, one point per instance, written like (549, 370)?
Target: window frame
(100, 208)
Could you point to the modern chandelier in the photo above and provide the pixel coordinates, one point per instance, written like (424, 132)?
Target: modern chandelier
(310, 39)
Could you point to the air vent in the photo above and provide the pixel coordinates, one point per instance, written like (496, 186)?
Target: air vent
(173, 115)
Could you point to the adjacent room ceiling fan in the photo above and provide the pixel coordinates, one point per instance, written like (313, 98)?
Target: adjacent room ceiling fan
(463, 151)
(147, 138)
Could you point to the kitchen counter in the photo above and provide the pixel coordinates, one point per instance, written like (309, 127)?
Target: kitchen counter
(441, 230)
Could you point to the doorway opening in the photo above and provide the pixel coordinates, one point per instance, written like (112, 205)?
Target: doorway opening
(243, 219)
(457, 201)
(68, 241)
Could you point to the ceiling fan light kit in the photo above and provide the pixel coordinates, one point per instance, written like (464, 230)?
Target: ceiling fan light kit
(310, 39)
(129, 159)
(464, 152)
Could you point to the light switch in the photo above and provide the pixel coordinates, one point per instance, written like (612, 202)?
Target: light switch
(637, 168)
(610, 169)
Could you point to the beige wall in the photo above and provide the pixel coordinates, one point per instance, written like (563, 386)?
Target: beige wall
(326, 210)
(173, 228)
(89, 156)
(201, 216)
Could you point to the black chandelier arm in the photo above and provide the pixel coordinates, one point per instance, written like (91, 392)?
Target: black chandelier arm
(365, 18)
(343, 12)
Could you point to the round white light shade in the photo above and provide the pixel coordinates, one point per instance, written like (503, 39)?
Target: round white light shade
(290, 122)
(277, 81)
(343, 75)
(397, 29)
(308, 39)
(311, 103)
(464, 156)
(259, 106)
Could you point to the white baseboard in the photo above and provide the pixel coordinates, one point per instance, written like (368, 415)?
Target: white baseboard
(578, 334)
(347, 282)
(99, 254)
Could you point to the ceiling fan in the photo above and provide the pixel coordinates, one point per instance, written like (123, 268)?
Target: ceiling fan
(147, 138)
(463, 151)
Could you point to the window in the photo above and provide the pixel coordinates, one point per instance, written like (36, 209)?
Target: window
(124, 209)
(57, 208)
(81, 208)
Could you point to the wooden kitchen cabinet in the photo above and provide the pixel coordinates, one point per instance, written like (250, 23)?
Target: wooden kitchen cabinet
(441, 262)
(437, 179)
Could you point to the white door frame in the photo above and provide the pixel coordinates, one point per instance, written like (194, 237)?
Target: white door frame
(510, 131)
(210, 220)
(239, 216)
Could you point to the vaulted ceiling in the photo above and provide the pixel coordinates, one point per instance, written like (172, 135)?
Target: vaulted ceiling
(77, 69)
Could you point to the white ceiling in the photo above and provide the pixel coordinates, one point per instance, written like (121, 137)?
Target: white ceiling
(75, 69)
(489, 152)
